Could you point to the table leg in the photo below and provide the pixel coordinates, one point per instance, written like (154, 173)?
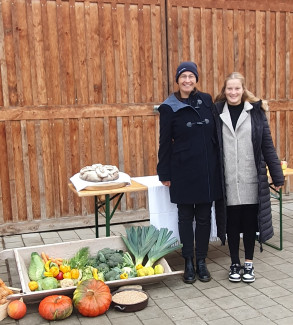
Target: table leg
(107, 214)
(96, 216)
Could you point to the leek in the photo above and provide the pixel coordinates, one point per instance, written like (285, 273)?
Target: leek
(163, 246)
(139, 241)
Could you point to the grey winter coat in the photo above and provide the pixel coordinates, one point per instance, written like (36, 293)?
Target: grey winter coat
(264, 155)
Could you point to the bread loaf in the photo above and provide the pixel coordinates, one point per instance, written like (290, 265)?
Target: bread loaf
(99, 173)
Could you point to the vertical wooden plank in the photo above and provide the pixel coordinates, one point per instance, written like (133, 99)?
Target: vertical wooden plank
(135, 53)
(48, 169)
(185, 41)
(281, 57)
(24, 52)
(60, 168)
(203, 79)
(252, 52)
(33, 173)
(142, 31)
(260, 54)
(289, 58)
(63, 31)
(150, 153)
(4, 175)
(147, 69)
(31, 52)
(209, 73)
(38, 62)
(9, 52)
(40, 170)
(74, 200)
(173, 44)
(273, 56)
(215, 52)
(239, 40)
(3, 67)
(159, 78)
(108, 55)
(121, 31)
(228, 41)
(81, 52)
(18, 176)
(220, 50)
(26, 171)
(287, 55)
(95, 53)
(11, 172)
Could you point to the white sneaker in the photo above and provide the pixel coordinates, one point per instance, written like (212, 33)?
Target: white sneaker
(248, 274)
(235, 273)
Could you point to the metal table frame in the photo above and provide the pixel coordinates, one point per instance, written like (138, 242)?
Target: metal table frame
(109, 195)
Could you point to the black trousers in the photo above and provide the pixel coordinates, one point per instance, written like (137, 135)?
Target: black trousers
(241, 219)
(197, 241)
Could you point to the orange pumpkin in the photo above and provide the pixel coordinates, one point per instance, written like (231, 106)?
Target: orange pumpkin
(92, 297)
(16, 309)
(55, 307)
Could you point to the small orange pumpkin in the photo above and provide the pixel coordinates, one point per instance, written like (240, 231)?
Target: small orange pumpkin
(16, 309)
(55, 307)
(92, 297)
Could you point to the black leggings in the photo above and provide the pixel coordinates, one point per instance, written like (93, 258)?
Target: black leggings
(241, 219)
(201, 213)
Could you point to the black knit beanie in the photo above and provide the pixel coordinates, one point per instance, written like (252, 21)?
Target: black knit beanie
(186, 66)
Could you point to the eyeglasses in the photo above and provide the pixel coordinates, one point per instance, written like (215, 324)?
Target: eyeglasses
(184, 77)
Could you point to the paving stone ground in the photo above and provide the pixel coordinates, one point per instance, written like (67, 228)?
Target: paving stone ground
(269, 300)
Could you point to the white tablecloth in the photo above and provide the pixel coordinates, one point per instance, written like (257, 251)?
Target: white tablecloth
(163, 213)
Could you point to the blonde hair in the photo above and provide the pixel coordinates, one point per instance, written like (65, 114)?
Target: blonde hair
(247, 95)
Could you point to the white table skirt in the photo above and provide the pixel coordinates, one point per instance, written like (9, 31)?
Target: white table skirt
(163, 213)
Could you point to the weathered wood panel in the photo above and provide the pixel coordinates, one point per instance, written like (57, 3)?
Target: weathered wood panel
(79, 79)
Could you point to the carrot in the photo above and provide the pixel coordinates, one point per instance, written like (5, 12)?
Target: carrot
(44, 257)
(56, 261)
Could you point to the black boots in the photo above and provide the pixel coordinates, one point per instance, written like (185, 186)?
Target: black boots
(189, 273)
(202, 271)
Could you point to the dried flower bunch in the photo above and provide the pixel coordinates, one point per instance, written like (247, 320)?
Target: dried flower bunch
(4, 292)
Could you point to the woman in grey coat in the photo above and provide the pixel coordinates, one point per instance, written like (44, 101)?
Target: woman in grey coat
(247, 149)
(189, 165)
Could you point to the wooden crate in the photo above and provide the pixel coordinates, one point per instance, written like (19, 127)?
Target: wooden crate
(67, 250)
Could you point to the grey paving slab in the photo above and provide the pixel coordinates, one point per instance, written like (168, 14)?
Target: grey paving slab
(276, 312)
(224, 321)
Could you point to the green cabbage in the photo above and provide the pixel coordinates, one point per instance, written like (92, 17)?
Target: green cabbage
(48, 283)
(36, 267)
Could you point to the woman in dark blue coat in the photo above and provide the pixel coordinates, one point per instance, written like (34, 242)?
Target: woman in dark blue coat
(189, 165)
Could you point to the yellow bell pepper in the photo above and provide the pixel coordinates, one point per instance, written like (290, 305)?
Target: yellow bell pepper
(142, 272)
(64, 268)
(33, 285)
(47, 265)
(138, 267)
(67, 275)
(74, 274)
(159, 269)
(150, 270)
(48, 274)
(54, 270)
(95, 274)
(124, 276)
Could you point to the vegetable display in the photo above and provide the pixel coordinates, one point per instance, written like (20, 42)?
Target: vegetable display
(92, 297)
(146, 245)
(55, 307)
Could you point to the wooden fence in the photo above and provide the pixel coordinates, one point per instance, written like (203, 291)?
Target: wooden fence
(79, 81)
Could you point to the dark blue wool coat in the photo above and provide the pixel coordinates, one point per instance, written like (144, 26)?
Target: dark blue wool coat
(188, 152)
